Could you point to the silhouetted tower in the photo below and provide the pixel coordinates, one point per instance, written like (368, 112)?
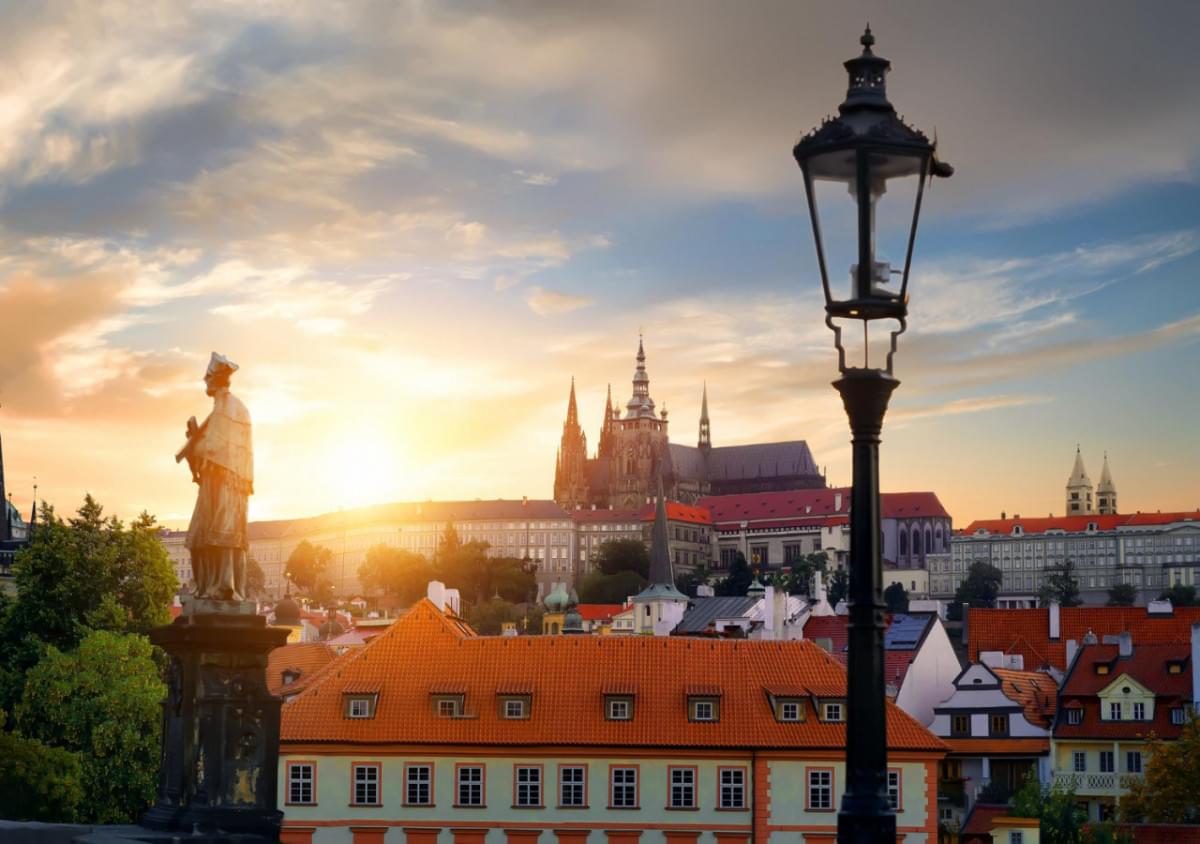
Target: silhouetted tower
(705, 435)
(1079, 489)
(570, 474)
(1106, 492)
(606, 427)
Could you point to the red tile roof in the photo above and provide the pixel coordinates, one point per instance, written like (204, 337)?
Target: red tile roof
(605, 515)
(568, 677)
(1077, 524)
(676, 512)
(998, 746)
(1036, 691)
(979, 822)
(1148, 666)
(599, 612)
(813, 506)
(304, 659)
(1027, 631)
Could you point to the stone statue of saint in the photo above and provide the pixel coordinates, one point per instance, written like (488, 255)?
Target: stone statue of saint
(221, 458)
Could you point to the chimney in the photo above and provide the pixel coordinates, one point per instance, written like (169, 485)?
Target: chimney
(1195, 667)
(704, 591)
(1072, 649)
(1003, 515)
(769, 620)
(992, 659)
(436, 593)
(1089, 638)
(524, 500)
(1055, 621)
(1125, 645)
(837, 502)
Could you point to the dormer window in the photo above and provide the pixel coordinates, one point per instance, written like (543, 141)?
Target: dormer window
(448, 706)
(703, 708)
(1177, 716)
(290, 676)
(515, 708)
(1175, 666)
(618, 708)
(790, 711)
(360, 705)
(1074, 716)
(1103, 668)
(832, 712)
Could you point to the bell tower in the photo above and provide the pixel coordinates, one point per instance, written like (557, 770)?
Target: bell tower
(1106, 492)
(1079, 489)
(570, 473)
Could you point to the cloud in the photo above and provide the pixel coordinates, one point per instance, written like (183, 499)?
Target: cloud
(545, 302)
(540, 180)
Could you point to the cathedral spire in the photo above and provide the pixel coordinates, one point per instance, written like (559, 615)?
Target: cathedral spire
(640, 405)
(1106, 492)
(572, 410)
(705, 434)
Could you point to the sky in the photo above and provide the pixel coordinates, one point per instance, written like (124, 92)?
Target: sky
(411, 224)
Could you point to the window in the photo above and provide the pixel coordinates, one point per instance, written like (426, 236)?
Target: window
(624, 788)
(1074, 716)
(470, 785)
(893, 789)
(1079, 761)
(360, 707)
(1133, 762)
(514, 707)
(1114, 711)
(1106, 762)
(418, 785)
(704, 710)
(366, 785)
(1139, 712)
(998, 724)
(820, 789)
(1103, 668)
(448, 707)
(960, 725)
(789, 711)
(733, 788)
(1016, 836)
(1177, 715)
(301, 782)
(528, 781)
(620, 709)
(833, 712)
(683, 788)
(572, 786)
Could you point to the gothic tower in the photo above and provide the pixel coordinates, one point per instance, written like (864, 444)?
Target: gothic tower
(1079, 489)
(639, 444)
(1106, 492)
(570, 473)
(606, 428)
(705, 435)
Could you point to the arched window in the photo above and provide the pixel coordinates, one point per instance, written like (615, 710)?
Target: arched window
(903, 544)
(916, 542)
(928, 540)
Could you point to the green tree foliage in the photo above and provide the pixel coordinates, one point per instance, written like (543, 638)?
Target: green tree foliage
(1056, 807)
(689, 581)
(38, 782)
(531, 624)
(448, 544)
(896, 597)
(738, 581)
(797, 578)
(978, 589)
(306, 568)
(1061, 586)
(1122, 595)
(600, 588)
(399, 576)
(256, 580)
(618, 555)
(839, 585)
(488, 618)
(1167, 792)
(103, 702)
(1180, 595)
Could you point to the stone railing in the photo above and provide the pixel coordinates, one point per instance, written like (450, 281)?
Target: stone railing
(1083, 783)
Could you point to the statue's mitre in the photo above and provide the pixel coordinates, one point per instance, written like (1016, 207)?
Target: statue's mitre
(220, 365)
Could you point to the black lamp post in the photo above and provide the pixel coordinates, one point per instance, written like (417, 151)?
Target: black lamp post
(863, 152)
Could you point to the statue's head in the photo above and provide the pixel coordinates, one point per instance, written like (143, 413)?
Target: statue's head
(220, 370)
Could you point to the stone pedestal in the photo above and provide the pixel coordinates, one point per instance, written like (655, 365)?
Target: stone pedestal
(220, 757)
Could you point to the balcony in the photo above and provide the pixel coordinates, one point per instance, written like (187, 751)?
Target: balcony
(1097, 785)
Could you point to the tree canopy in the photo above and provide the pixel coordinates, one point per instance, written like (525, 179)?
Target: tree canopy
(306, 568)
(488, 618)
(978, 589)
(398, 575)
(617, 555)
(1167, 792)
(839, 585)
(1056, 807)
(600, 588)
(38, 782)
(1122, 595)
(1061, 586)
(738, 581)
(1179, 595)
(896, 597)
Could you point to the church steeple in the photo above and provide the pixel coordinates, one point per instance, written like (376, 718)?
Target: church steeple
(640, 405)
(1106, 492)
(1079, 489)
(570, 471)
(572, 410)
(705, 435)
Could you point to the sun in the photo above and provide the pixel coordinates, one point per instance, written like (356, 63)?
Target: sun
(364, 466)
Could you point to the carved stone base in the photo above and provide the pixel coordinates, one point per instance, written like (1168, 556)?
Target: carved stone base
(220, 760)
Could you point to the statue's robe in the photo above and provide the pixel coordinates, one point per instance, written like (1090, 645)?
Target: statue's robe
(224, 459)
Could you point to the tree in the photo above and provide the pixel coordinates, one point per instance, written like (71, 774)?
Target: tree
(489, 617)
(600, 588)
(1167, 792)
(37, 782)
(256, 580)
(306, 567)
(1056, 807)
(1122, 595)
(689, 581)
(448, 544)
(102, 701)
(1180, 595)
(618, 555)
(400, 576)
(465, 567)
(798, 579)
(896, 597)
(1061, 586)
(978, 589)
(839, 585)
(738, 581)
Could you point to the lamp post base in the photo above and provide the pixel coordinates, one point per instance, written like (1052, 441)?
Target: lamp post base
(866, 829)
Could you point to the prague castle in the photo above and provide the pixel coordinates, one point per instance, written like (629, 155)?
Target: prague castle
(634, 451)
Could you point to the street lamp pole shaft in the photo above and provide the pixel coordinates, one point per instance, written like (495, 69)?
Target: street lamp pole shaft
(865, 817)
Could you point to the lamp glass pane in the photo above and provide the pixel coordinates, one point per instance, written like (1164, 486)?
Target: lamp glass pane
(834, 188)
(895, 182)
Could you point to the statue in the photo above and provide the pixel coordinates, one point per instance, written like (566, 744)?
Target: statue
(221, 458)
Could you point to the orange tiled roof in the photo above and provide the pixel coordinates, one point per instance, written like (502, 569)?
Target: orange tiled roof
(1077, 524)
(998, 746)
(1027, 631)
(979, 822)
(302, 658)
(1036, 691)
(568, 676)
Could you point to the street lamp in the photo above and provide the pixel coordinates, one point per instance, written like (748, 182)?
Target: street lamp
(855, 159)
